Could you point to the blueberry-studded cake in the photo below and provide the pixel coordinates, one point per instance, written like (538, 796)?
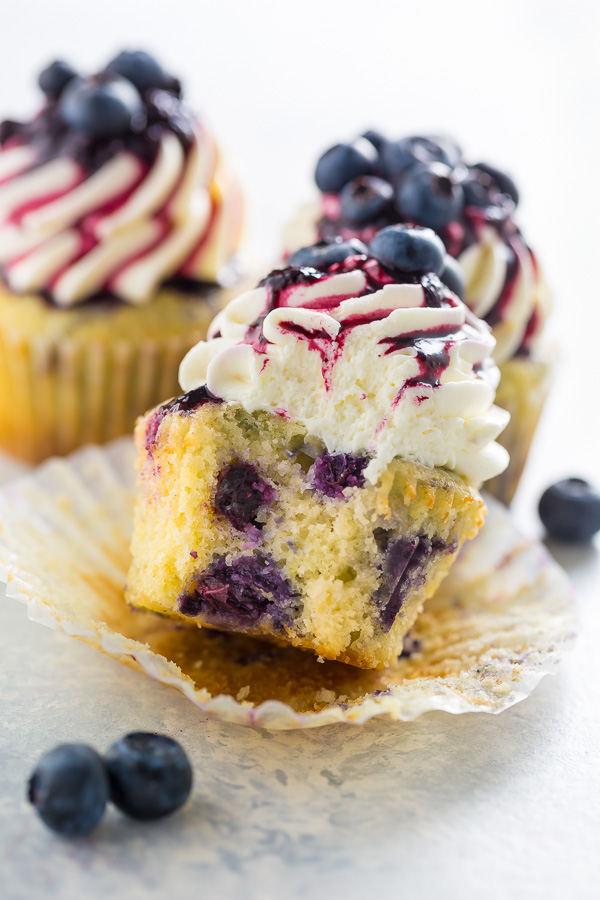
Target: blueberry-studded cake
(373, 182)
(117, 222)
(318, 477)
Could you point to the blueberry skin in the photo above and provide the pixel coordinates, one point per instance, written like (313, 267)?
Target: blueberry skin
(409, 249)
(430, 195)
(398, 156)
(150, 775)
(100, 110)
(141, 69)
(375, 138)
(452, 276)
(343, 162)
(327, 253)
(570, 510)
(476, 194)
(55, 77)
(504, 181)
(365, 199)
(69, 789)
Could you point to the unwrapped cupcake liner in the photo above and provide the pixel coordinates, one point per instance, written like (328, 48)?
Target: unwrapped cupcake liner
(523, 391)
(503, 618)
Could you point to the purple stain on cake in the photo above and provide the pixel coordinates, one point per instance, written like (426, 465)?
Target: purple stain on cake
(241, 494)
(404, 570)
(240, 593)
(410, 646)
(333, 473)
(184, 405)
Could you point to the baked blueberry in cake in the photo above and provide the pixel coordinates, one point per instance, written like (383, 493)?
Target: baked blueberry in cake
(117, 222)
(372, 182)
(320, 473)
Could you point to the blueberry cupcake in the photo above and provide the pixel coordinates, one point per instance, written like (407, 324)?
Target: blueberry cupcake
(374, 182)
(320, 474)
(118, 222)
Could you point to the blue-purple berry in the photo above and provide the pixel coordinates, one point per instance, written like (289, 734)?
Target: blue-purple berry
(570, 510)
(409, 250)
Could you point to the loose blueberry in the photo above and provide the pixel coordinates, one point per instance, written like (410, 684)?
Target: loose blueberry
(409, 249)
(452, 276)
(241, 492)
(150, 775)
(141, 69)
(327, 253)
(398, 156)
(365, 199)
(69, 789)
(101, 109)
(430, 195)
(332, 473)
(55, 77)
(343, 162)
(504, 182)
(570, 510)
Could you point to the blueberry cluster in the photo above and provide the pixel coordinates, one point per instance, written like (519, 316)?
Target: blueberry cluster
(128, 103)
(404, 250)
(146, 776)
(423, 180)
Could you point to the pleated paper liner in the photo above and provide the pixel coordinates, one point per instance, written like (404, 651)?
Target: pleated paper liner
(502, 620)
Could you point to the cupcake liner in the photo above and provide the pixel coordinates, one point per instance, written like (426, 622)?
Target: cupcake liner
(502, 619)
(523, 390)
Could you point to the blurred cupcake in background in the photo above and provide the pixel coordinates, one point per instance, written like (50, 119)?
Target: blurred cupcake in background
(119, 225)
(374, 182)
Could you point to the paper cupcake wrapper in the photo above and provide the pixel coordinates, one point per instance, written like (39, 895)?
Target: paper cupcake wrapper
(502, 620)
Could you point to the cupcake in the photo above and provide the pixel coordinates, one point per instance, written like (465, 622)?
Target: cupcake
(320, 474)
(118, 222)
(374, 182)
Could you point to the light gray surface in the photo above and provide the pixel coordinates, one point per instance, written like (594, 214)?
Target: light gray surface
(505, 807)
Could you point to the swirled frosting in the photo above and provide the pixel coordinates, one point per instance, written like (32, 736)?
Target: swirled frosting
(504, 284)
(370, 362)
(83, 216)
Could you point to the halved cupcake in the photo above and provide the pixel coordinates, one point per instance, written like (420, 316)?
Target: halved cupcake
(374, 182)
(118, 222)
(318, 478)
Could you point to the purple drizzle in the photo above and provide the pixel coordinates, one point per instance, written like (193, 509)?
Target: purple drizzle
(240, 593)
(332, 473)
(241, 492)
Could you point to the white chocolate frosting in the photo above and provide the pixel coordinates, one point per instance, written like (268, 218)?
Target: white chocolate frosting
(367, 364)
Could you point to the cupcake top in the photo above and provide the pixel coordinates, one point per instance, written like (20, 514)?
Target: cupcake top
(369, 349)
(113, 188)
(373, 182)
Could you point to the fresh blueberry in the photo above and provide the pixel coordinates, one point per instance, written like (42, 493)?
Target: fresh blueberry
(375, 138)
(365, 199)
(430, 195)
(150, 775)
(69, 789)
(241, 493)
(398, 156)
(409, 249)
(141, 69)
(101, 109)
(327, 253)
(570, 510)
(476, 193)
(343, 162)
(504, 182)
(55, 77)
(452, 276)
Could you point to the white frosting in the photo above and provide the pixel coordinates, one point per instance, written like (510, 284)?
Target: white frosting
(162, 223)
(342, 377)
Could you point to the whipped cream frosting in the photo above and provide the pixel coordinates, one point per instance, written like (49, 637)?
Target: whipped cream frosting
(73, 226)
(367, 364)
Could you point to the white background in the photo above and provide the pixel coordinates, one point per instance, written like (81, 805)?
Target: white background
(501, 808)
